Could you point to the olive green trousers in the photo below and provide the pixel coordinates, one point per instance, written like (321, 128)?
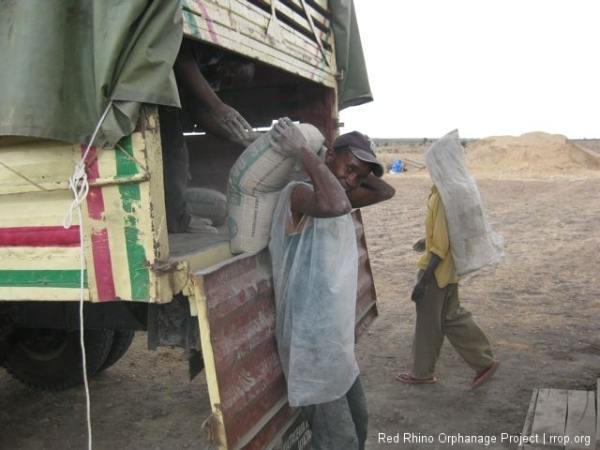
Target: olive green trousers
(440, 315)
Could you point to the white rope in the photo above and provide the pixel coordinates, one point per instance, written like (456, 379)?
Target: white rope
(78, 183)
(81, 331)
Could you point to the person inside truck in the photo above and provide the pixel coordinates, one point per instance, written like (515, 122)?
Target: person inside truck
(315, 270)
(201, 71)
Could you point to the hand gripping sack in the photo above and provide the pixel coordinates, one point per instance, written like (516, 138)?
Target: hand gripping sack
(253, 187)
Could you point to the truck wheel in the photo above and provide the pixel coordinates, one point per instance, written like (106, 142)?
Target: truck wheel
(121, 342)
(50, 360)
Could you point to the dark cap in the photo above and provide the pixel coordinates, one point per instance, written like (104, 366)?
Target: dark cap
(362, 147)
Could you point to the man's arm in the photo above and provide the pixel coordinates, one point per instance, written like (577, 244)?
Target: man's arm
(328, 198)
(372, 190)
(217, 118)
(421, 287)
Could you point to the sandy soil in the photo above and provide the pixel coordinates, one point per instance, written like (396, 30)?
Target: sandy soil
(540, 309)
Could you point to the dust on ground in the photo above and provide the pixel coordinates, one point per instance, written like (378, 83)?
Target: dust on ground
(540, 309)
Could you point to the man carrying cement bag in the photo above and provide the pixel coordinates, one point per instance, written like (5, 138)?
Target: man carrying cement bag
(458, 241)
(315, 264)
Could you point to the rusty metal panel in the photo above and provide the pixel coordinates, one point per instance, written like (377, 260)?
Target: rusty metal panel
(366, 297)
(236, 312)
(237, 322)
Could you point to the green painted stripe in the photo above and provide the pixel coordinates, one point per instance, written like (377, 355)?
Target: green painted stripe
(190, 18)
(139, 275)
(42, 278)
(126, 165)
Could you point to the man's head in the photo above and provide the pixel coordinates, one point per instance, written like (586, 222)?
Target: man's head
(352, 159)
(231, 71)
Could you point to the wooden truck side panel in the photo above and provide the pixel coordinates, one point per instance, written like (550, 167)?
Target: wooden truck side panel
(294, 35)
(123, 227)
(125, 244)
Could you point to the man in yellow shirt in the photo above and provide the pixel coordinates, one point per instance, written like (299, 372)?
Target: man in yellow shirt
(439, 313)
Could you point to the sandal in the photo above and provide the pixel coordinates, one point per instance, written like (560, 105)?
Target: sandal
(409, 379)
(485, 375)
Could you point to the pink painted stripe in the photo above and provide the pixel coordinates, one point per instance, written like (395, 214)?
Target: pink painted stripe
(105, 283)
(209, 22)
(319, 56)
(39, 237)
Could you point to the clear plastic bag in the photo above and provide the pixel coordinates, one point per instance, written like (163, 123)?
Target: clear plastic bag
(474, 244)
(315, 269)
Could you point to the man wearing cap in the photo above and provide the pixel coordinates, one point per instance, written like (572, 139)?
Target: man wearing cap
(315, 269)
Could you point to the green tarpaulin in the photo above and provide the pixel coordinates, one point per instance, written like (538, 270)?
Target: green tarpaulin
(353, 86)
(63, 60)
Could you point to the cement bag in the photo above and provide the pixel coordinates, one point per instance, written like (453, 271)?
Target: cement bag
(473, 242)
(253, 187)
(206, 203)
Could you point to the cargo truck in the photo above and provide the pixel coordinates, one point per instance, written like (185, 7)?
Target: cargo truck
(83, 236)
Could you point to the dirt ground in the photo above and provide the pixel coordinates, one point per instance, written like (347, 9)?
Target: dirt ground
(540, 309)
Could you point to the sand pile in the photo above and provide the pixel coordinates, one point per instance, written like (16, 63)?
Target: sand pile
(531, 155)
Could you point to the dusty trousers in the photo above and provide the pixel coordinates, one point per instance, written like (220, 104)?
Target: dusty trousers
(440, 315)
(340, 424)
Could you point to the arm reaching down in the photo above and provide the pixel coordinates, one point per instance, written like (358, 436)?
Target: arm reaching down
(215, 116)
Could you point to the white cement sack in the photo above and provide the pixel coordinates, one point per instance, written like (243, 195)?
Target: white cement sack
(250, 220)
(254, 183)
(473, 242)
(207, 203)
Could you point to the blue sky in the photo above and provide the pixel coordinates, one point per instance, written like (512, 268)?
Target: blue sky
(488, 68)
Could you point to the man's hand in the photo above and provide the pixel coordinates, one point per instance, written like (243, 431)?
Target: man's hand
(420, 288)
(419, 246)
(419, 291)
(287, 138)
(238, 129)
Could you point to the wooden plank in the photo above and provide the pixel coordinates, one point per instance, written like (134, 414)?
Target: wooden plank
(550, 416)
(121, 225)
(36, 165)
(529, 420)
(253, 22)
(241, 27)
(580, 430)
(299, 19)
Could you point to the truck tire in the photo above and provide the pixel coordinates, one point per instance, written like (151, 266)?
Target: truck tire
(121, 342)
(50, 360)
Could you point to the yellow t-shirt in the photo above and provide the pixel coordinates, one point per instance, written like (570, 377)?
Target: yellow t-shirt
(437, 241)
